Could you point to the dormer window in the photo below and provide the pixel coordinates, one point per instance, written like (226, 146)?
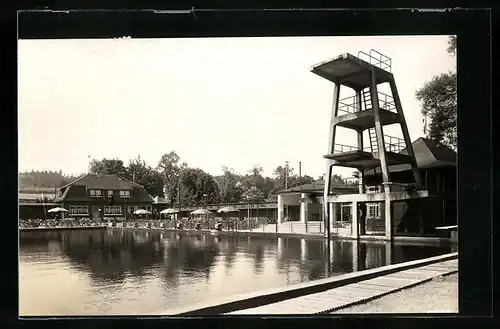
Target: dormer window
(110, 193)
(96, 193)
(124, 194)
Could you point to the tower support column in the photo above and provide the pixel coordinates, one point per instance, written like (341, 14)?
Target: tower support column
(354, 223)
(406, 134)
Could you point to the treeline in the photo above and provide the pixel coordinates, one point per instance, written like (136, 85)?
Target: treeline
(180, 184)
(42, 180)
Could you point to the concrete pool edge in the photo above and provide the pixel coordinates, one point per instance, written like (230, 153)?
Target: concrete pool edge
(33, 229)
(375, 238)
(260, 298)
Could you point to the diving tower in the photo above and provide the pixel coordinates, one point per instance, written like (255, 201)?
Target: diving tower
(368, 110)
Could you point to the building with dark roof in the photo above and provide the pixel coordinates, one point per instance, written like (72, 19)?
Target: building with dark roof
(103, 197)
(437, 165)
(417, 217)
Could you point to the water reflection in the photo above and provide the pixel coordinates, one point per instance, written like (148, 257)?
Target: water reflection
(138, 272)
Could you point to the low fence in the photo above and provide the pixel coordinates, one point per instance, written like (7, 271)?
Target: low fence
(252, 224)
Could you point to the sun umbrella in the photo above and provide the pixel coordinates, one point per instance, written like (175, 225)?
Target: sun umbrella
(142, 212)
(57, 209)
(201, 212)
(169, 211)
(228, 210)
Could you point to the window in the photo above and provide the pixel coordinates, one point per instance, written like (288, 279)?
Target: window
(110, 193)
(373, 189)
(124, 194)
(96, 193)
(78, 210)
(112, 210)
(373, 210)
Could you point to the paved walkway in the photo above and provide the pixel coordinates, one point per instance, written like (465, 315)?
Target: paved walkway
(437, 296)
(356, 293)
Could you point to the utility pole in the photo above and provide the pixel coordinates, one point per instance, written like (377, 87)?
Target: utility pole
(286, 185)
(286, 175)
(302, 201)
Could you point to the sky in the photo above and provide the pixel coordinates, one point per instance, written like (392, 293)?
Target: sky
(235, 102)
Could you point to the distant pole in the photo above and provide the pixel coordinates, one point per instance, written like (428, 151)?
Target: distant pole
(300, 180)
(286, 175)
(286, 186)
(88, 170)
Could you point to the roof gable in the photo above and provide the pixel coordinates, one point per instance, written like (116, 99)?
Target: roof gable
(429, 153)
(105, 182)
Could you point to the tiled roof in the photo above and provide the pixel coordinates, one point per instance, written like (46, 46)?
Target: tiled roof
(428, 153)
(76, 191)
(104, 182)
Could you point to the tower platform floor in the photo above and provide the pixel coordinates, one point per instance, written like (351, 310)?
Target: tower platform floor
(364, 160)
(350, 71)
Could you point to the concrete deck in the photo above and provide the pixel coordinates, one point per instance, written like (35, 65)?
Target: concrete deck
(378, 197)
(294, 294)
(356, 293)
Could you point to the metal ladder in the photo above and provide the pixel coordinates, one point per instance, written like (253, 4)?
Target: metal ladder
(367, 99)
(367, 102)
(373, 140)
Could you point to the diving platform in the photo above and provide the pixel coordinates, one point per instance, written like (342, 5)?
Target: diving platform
(363, 120)
(364, 159)
(371, 110)
(354, 72)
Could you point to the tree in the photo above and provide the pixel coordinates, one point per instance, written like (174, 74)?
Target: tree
(337, 179)
(230, 190)
(452, 45)
(296, 180)
(253, 182)
(108, 167)
(198, 187)
(281, 175)
(438, 99)
(253, 194)
(142, 174)
(35, 179)
(169, 168)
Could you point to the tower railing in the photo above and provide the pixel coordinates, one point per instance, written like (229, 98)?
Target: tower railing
(342, 148)
(377, 59)
(386, 102)
(392, 144)
(349, 105)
